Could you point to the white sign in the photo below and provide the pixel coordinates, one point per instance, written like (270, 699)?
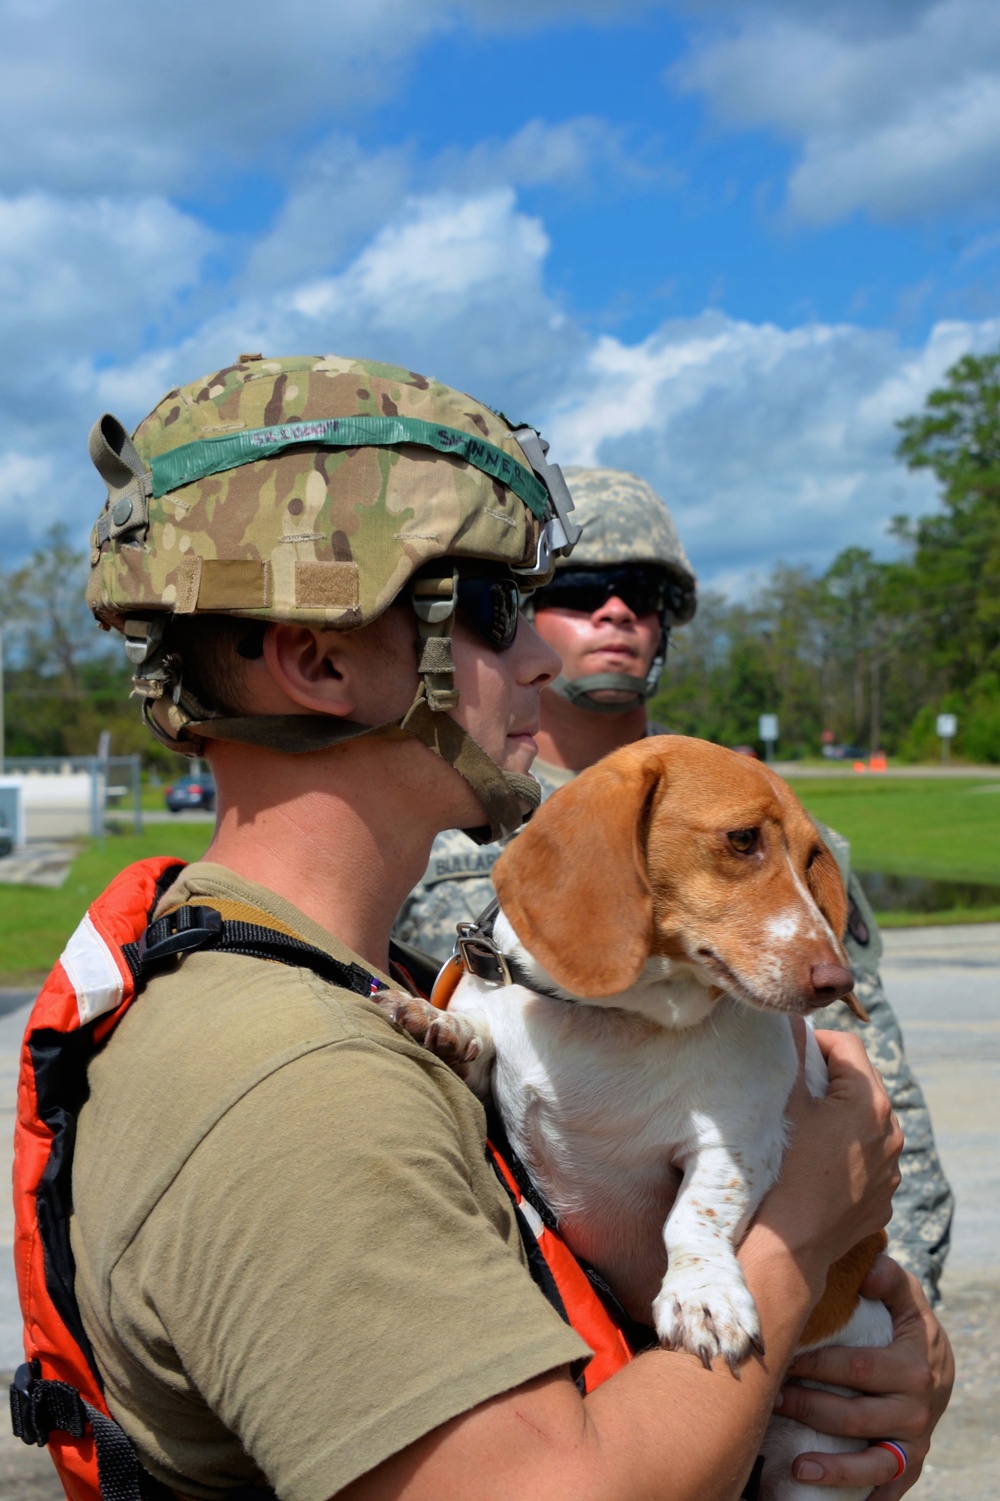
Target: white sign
(768, 725)
(947, 726)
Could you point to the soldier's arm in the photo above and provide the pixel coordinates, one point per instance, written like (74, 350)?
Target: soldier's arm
(920, 1229)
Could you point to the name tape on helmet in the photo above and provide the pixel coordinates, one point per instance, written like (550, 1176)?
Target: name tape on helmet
(193, 461)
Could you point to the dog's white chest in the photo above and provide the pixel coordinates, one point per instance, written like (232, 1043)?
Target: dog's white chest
(609, 1111)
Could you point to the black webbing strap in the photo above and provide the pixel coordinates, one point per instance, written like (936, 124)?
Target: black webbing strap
(38, 1407)
(188, 928)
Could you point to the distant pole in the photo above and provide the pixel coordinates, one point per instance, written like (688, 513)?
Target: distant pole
(767, 726)
(95, 801)
(947, 728)
(2, 726)
(876, 704)
(136, 762)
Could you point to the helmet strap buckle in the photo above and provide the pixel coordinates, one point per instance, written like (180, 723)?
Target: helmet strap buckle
(433, 597)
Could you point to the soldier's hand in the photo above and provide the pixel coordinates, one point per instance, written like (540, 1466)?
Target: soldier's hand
(905, 1389)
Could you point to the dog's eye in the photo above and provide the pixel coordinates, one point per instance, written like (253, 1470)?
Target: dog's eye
(743, 841)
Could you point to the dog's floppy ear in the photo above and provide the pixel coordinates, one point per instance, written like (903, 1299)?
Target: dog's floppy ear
(574, 883)
(827, 888)
(830, 895)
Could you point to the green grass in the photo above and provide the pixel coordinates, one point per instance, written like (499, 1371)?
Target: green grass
(940, 828)
(35, 922)
(947, 918)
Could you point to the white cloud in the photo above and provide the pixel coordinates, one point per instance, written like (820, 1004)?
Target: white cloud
(25, 480)
(437, 255)
(567, 155)
(159, 98)
(91, 269)
(896, 109)
(766, 443)
(451, 286)
(340, 194)
(116, 93)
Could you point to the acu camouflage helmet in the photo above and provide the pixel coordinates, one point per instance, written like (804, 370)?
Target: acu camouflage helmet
(624, 521)
(317, 490)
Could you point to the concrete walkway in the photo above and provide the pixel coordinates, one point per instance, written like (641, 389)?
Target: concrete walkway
(945, 985)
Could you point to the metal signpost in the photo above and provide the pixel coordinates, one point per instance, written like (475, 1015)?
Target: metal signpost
(768, 727)
(947, 728)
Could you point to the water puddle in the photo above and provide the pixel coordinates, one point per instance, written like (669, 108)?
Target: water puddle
(915, 894)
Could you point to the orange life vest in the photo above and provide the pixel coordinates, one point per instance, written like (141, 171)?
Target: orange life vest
(57, 1396)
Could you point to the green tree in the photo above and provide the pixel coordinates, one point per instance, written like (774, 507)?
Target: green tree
(66, 680)
(956, 552)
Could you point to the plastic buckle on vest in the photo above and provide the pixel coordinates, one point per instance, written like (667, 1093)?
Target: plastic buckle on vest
(178, 932)
(37, 1406)
(21, 1416)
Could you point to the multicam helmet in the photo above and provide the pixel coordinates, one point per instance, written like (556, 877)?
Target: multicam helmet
(624, 522)
(318, 490)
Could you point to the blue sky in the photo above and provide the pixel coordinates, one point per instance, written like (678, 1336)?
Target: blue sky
(723, 244)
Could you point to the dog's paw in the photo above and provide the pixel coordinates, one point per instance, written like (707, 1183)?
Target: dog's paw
(708, 1311)
(450, 1036)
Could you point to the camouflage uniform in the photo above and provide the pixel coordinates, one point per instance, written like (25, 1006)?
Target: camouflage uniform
(457, 887)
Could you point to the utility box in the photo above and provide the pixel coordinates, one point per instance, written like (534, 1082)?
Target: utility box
(11, 814)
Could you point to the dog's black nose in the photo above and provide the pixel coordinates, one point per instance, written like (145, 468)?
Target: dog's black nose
(830, 982)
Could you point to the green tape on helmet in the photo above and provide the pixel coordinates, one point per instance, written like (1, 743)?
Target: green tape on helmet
(194, 461)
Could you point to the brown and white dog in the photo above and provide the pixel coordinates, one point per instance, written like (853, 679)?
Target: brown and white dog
(663, 917)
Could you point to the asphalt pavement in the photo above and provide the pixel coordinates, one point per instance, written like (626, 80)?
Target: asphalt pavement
(945, 986)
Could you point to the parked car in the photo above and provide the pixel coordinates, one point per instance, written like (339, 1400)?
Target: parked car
(196, 791)
(6, 840)
(844, 752)
(746, 750)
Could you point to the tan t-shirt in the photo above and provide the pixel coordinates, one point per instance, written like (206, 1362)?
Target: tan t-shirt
(293, 1258)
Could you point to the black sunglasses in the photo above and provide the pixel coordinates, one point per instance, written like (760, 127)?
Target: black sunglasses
(646, 590)
(491, 606)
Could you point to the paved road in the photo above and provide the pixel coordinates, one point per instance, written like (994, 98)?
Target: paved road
(945, 985)
(846, 769)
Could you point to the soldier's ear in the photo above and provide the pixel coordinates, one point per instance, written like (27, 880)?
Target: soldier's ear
(312, 668)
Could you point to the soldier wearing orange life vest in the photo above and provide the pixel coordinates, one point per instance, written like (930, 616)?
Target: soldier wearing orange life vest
(290, 1267)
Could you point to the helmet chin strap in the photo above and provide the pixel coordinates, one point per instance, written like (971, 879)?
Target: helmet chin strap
(578, 691)
(182, 724)
(506, 797)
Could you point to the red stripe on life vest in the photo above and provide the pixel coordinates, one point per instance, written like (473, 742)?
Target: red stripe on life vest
(584, 1308)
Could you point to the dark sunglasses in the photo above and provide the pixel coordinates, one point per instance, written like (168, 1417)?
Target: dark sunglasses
(646, 591)
(491, 606)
